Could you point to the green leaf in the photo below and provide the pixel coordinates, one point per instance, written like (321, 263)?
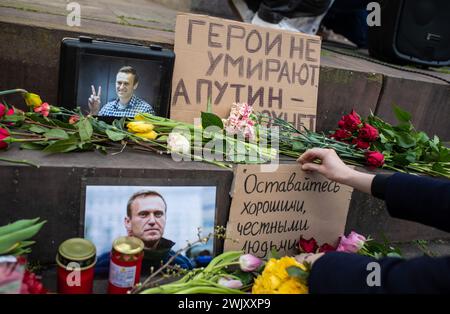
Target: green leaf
(115, 136)
(14, 118)
(298, 146)
(405, 140)
(33, 146)
(274, 254)
(85, 129)
(383, 138)
(119, 123)
(401, 115)
(210, 119)
(38, 129)
(62, 146)
(438, 167)
(63, 124)
(162, 139)
(422, 137)
(57, 133)
(101, 148)
(297, 272)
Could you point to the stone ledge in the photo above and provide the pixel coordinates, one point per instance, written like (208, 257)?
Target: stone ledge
(54, 192)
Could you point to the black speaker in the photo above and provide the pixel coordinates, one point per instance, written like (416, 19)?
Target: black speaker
(412, 31)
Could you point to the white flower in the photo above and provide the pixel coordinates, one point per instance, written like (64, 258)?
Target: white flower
(177, 143)
(230, 283)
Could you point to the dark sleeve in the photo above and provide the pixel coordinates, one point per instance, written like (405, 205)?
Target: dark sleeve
(338, 272)
(421, 199)
(378, 187)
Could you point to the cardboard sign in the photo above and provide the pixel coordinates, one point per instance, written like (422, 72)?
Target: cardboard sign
(226, 61)
(270, 210)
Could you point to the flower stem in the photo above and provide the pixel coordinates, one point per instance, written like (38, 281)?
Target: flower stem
(23, 161)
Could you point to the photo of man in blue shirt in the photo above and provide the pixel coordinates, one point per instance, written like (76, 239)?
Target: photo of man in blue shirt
(126, 104)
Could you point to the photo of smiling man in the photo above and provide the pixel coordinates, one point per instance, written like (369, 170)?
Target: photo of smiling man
(126, 104)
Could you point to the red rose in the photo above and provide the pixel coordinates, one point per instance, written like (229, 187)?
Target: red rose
(351, 121)
(375, 159)
(341, 135)
(324, 248)
(31, 284)
(360, 144)
(307, 246)
(368, 133)
(341, 124)
(3, 134)
(2, 110)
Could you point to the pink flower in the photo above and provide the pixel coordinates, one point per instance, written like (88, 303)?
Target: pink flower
(239, 121)
(249, 262)
(230, 283)
(74, 119)
(3, 135)
(44, 109)
(352, 243)
(307, 246)
(2, 110)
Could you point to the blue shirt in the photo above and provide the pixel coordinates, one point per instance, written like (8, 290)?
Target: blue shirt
(133, 107)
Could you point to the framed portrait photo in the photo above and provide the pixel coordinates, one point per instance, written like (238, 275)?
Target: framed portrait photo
(165, 218)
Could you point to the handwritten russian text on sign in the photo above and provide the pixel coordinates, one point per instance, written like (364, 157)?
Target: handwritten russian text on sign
(226, 61)
(271, 210)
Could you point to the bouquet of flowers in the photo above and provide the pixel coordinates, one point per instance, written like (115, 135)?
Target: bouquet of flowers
(370, 142)
(59, 130)
(14, 245)
(353, 243)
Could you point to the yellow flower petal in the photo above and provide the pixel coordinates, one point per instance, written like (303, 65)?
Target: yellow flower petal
(140, 127)
(275, 279)
(139, 117)
(32, 100)
(148, 135)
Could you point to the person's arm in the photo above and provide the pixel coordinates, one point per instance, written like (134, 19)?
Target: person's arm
(332, 167)
(410, 197)
(338, 272)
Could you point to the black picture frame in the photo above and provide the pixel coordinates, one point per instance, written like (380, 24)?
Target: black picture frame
(74, 49)
(222, 201)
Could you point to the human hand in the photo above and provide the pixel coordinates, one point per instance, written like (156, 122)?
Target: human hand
(331, 165)
(94, 100)
(310, 258)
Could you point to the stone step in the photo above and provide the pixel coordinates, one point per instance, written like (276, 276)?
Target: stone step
(54, 192)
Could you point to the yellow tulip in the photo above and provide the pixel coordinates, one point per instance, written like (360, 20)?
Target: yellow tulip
(139, 117)
(32, 100)
(148, 135)
(140, 127)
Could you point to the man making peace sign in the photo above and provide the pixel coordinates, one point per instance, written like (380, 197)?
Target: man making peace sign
(127, 104)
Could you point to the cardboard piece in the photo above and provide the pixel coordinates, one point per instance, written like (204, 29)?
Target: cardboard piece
(228, 61)
(271, 210)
